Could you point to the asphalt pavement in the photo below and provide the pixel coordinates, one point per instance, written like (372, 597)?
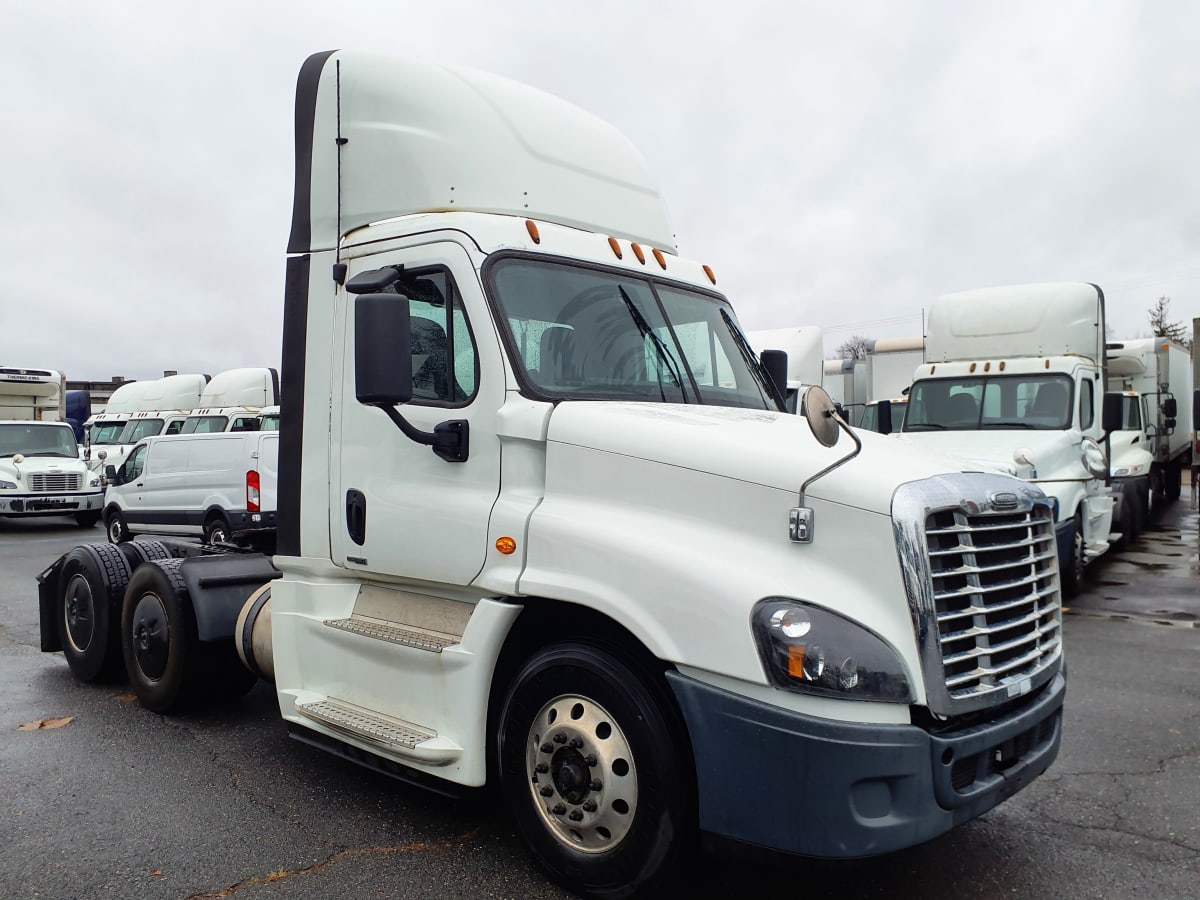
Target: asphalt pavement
(121, 802)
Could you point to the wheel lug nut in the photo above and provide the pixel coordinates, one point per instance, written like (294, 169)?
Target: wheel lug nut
(589, 805)
(560, 738)
(575, 815)
(589, 760)
(559, 809)
(595, 784)
(575, 743)
(545, 790)
(547, 748)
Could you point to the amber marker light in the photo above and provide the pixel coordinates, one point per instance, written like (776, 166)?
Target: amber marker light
(796, 661)
(987, 367)
(531, 227)
(1002, 367)
(709, 272)
(506, 545)
(616, 247)
(639, 253)
(972, 369)
(658, 255)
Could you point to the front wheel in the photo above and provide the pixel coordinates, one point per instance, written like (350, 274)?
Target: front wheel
(87, 518)
(1072, 565)
(596, 772)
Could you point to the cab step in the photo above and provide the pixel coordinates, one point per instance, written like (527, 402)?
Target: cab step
(419, 638)
(395, 735)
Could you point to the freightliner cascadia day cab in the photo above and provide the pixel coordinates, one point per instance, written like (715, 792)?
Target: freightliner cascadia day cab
(544, 523)
(232, 401)
(1014, 378)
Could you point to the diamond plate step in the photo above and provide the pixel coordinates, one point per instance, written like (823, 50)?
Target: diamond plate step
(396, 634)
(365, 724)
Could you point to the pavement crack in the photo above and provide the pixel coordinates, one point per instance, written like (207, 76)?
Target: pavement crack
(340, 857)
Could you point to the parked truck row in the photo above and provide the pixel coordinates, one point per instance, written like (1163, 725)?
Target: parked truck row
(546, 524)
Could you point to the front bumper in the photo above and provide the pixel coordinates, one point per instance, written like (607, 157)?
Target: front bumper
(49, 504)
(817, 787)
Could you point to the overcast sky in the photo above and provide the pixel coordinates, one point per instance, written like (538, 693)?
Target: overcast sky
(837, 164)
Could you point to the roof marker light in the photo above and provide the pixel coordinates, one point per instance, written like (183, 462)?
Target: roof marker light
(1002, 366)
(709, 272)
(972, 369)
(532, 228)
(658, 255)
(987, 367)
(616, 247)
(639, 253)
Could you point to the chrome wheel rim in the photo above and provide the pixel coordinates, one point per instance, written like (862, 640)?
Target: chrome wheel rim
(582, 777)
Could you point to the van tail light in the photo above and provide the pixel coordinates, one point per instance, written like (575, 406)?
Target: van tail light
(253, 497)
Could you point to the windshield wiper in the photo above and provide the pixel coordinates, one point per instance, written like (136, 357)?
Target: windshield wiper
(660, 348)
(1007, 424)
(756, 369)
(922, 426)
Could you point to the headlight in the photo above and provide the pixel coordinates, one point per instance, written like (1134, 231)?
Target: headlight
(1093, 458)
(95, 482)
(7, 486)
(812, 650)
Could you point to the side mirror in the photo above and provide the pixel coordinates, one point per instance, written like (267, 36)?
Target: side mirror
(1111, 413)
(382, 350)
(883, 413)
(113, 476)
(776, 364)
(1170, 408)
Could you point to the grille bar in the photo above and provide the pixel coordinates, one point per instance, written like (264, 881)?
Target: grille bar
(55, 482)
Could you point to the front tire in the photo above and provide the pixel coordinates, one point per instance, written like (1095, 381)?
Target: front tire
(92, 585)
(1072, 566)
(596, 772)
(87, 518)
(115, 526)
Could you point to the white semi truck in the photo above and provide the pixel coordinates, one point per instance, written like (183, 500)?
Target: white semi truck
(232, 401)
(1014, 379)
(41, 473)
(544, 524)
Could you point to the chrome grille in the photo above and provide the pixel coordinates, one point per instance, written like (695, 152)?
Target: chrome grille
(996, 598)
(55, 482)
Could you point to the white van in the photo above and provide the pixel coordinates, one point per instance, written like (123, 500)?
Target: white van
(220, 486)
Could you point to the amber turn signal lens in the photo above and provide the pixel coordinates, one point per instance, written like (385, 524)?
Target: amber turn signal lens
(796, 661)
(506, 545)
(532, 228)
(709, 272)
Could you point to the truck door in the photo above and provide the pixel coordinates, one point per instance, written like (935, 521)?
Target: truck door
(395, 507)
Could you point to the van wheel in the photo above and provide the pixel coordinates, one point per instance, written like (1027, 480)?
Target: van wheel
(93, 583)
(158, 637)
(217, 530)
(1072, 566)
(118, 531)
(88, 519)
(594, 768)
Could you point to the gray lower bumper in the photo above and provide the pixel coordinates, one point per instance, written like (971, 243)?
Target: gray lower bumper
(49, 504)
(816, 787)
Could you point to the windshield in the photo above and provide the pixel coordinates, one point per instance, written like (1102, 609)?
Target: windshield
(1041, 402)
(38, 440)
(137, 429)
(204, 424)
(583, 333)
(107, 432)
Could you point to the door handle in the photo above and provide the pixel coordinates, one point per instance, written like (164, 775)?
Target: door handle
(356, 516)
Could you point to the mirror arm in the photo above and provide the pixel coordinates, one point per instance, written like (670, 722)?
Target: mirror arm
(450, 439)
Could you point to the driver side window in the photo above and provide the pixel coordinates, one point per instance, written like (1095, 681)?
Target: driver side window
(135, 463)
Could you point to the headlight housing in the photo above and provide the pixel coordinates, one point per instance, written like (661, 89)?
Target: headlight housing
(811, 650)
(1125, 471)
(1093, 458)
(7, 486)
(95, 482)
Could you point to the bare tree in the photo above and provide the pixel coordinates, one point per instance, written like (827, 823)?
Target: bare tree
(1175, 331)
(854, 347)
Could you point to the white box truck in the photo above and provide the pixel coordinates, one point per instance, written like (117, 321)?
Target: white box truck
(1159, 371)
(1014, 379)
(545, 525)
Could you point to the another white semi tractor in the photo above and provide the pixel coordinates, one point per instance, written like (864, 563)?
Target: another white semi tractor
(1014, 379)
(41, 473)
(544, 523)
(232, 401)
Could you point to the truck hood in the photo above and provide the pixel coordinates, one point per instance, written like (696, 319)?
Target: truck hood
(756, 446)
(1056, 454)
(9, 471)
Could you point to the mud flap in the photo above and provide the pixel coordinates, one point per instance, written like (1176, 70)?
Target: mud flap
(47, 596)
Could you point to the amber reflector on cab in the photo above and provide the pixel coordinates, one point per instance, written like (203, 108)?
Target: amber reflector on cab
(506, 545)
(532, 228)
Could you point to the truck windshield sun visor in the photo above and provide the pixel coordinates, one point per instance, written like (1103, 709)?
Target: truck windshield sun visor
(580, 332)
